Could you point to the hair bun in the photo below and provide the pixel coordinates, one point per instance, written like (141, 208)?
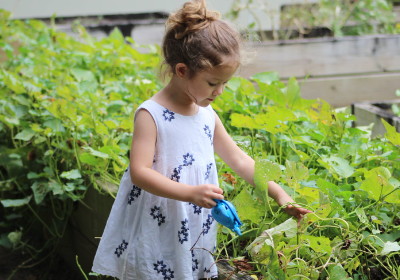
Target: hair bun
(191, 17)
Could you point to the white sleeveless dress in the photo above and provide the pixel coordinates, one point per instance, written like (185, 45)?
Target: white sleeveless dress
(151, 237)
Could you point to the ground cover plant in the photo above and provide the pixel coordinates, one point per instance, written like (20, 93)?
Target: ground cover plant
(65, 126)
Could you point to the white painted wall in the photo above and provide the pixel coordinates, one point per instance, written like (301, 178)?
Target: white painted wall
(266, 10)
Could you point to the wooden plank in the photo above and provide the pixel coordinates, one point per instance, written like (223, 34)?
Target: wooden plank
(324, 56)
(367, 113)
(346, 90)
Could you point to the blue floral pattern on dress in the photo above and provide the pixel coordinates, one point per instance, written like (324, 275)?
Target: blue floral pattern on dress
(195, 262)
(206, 270)
(168, 115)
(183, 234)
(188, 159)
(207, 224)
(176, 173)
(121, 248)
(207, 131)
(133, 194)
(157, 215)
(207, 175)
(196, 209)
(160, 267)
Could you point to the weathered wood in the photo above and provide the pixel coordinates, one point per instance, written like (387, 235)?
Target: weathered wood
(227, 272)
(368, 112)
(325, 56)
(346, 90)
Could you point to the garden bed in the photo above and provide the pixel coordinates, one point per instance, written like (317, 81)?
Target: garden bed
(341, 70)
(372, 112)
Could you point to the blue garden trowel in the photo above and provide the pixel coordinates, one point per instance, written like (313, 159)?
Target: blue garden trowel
(225, 214)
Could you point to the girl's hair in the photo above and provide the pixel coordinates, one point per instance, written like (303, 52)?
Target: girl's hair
(198, 38)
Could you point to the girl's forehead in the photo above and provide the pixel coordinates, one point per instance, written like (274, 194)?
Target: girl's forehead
(224, 71)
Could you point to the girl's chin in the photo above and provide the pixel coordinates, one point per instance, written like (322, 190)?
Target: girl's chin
(205, 102)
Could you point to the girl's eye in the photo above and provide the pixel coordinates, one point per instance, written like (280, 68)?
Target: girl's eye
(211, 84)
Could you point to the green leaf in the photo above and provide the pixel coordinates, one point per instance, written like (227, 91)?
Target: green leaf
(248, 208)
(96, 153)
(243, 121)
(25, 134)
(320, 244)
(264, 172)
(295, 172)
(390, 247)
(15, 237)
(16, 202)
(13, 82)
(288, 227)
(82, 75)
(338, 165)
(391, 134)
(40, 190)
(263, 246)
(72, 174)
(337, 272)
(266, 77)
(117, 35)
(378, 186)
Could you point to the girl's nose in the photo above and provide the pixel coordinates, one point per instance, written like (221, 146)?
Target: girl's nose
(219, 90)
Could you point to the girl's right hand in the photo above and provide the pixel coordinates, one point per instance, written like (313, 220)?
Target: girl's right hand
(204, 195)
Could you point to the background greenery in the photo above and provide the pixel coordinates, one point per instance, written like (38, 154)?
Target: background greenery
(321, 18)
(65, 126)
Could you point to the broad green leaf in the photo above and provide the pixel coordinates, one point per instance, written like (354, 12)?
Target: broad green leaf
(338, 165)
(337, 272)
(266, 77)
(320, 244)
(96, 153)
(16, 202)
(244, 121)
(378, 186)
(15, 237)
(390, 247)
(293, 92)
(263, 246)
(275, 120)
(361, 215)
(117, 35)
(55, 187)
(264, 172)
(249, 208)
(25, 134)
(391, 134)
(295, 172)
(288, 227)
(82, 75)
(311, 194)
(13, 82)
(90, 159)
(72, 174)
(40, 190)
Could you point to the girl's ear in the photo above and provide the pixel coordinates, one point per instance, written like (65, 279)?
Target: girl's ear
(181, 70)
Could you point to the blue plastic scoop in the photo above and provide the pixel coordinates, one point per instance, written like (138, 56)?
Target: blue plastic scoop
(225, 214)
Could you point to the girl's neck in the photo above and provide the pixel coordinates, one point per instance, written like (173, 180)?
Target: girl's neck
(174, 98)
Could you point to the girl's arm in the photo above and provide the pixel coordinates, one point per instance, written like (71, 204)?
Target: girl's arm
(142, 174)
(243, 165)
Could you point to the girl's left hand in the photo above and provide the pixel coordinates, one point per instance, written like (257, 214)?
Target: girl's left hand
(296, 211)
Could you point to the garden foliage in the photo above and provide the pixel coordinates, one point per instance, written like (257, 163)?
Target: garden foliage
(65, 126)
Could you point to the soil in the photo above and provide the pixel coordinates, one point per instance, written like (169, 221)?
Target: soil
(14, 266)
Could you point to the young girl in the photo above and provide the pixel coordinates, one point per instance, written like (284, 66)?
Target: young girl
(160, 226)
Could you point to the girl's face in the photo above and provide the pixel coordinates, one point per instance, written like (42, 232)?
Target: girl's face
(207, 85)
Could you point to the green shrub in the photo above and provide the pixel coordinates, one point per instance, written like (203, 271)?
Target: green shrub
(66, 116)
